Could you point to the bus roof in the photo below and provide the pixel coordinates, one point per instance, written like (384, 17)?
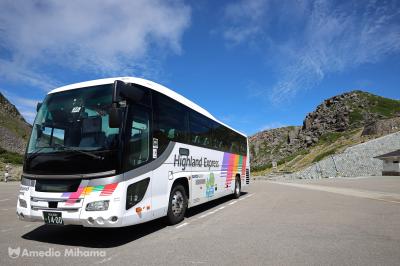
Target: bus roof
(149, 84)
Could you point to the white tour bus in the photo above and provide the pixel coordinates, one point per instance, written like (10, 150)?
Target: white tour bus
(122, 151)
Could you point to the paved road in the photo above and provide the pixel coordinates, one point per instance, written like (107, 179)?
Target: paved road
(275, 224)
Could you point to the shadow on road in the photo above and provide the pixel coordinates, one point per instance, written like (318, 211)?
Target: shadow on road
(75, 235)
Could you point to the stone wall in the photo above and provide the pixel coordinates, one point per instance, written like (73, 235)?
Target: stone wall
(354, 161)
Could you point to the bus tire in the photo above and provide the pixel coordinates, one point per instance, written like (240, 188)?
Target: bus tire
(177, 206)
(238, 188)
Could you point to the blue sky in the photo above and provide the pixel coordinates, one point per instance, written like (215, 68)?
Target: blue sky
(254, 64)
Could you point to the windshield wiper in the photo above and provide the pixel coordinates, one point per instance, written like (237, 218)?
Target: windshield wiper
(79, 151)
(36, 152)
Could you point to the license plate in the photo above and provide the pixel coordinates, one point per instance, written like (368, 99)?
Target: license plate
(53, 218)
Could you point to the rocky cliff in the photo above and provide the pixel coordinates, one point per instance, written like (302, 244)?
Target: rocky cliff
(356, 115)
(14, 130)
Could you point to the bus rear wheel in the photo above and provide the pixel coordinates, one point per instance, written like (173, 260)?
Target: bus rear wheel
(177, 206)
(238, 189)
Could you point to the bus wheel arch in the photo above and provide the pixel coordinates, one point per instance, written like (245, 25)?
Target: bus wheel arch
(178, 201)
(184, 182)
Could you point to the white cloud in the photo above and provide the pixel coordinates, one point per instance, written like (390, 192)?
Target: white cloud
(242, 20)
(29, 116)
(20, 72)
(307, 40)
(110, 37)
(337, 38)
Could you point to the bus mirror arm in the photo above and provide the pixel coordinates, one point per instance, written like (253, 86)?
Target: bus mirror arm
(114, 120)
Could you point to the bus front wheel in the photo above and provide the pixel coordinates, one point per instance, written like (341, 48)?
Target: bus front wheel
(177, 206)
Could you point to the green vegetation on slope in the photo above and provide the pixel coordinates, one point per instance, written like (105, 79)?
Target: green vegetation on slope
(10, 157)
(323, 155)
(384, 107)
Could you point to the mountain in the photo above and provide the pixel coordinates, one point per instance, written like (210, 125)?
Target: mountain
(14, 132)
(339, 122)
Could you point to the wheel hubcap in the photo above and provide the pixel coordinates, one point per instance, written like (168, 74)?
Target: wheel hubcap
(177, 203)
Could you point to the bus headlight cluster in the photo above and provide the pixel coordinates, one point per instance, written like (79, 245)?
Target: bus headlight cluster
(101, 205)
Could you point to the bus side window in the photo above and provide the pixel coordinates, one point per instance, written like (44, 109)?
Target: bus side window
(200, 130)
(169, 121)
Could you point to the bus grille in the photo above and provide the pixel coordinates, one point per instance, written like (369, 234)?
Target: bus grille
(57, 185)
(247, 176)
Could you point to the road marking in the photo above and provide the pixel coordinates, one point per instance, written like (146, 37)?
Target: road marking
(181, 225)
(4, 199)
(4, 209)
(28, 225)
(366, 194)
(107, 259)
(5, 230)
(104, 260)
(205, 215)
(223, 207)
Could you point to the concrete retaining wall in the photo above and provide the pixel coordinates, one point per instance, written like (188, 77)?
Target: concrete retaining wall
(354, 161)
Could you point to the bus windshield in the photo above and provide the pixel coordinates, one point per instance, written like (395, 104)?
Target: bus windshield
(73, 126)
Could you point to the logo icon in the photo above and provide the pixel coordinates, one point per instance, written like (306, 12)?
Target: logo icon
(14, 252)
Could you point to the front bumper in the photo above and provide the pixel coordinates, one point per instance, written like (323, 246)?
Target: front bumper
(71, 214)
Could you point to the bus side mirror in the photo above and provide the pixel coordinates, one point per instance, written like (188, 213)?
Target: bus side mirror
(114, 118)
(38, 106)
(123, 91)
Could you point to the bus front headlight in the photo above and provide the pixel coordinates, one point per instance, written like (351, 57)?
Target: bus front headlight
(101, 205)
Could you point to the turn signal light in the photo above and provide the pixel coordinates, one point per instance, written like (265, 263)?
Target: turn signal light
(138, 209)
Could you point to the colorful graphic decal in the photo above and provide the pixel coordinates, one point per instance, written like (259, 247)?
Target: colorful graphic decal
(210, 185)
(233, 164)
(105, 190)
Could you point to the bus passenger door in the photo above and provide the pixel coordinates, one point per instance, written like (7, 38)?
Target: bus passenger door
(138, 151)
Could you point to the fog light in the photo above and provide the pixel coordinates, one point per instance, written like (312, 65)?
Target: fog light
(101, 205)
(100, 220)
(114, 219)
(90, 220)
(22, 203)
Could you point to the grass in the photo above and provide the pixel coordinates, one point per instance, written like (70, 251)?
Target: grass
(330, 137)
(323, 155)
(259, 170)
(14, 125)
(356, 116)
(260, 167)
(11, 157)
(383, 106)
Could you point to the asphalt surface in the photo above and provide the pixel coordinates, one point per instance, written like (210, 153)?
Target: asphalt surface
(327, 222)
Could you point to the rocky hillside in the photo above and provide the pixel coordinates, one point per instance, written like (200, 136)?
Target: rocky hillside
(14, 130)
(337, 123)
